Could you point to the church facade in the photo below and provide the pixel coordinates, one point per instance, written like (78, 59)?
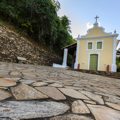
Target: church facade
(96, 50)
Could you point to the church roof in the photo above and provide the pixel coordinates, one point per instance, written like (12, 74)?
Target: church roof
(97, 32)
(71, 48)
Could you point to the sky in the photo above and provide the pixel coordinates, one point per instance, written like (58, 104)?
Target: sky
(81, 13)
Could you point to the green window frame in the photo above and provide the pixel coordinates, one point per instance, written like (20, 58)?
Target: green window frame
(99, 45)
(89, 45)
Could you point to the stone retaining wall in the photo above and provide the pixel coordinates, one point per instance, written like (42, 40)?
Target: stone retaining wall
(102, 73)
(13, 45)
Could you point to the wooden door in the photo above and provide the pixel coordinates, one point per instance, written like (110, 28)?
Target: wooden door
(93, 62)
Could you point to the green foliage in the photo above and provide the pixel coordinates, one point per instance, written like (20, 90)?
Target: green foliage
(28, 25)
(39, 20)
(118, 48)
(65, 23)
(69, 58)
(19, 31)
(35, 44)
(74, 41)
(118, 63)
(56, 4)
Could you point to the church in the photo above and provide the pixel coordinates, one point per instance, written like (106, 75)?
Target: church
(94, 51)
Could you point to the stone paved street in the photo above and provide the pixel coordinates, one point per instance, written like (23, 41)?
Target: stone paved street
(47, 93)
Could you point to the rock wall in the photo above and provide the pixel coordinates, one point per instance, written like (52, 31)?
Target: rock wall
(13, 45)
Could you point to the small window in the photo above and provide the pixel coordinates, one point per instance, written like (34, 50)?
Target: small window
(89, 45)
(99, 45)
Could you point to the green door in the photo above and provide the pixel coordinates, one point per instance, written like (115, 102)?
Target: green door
(93, 62)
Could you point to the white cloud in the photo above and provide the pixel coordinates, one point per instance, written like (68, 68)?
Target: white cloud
(59, 14)
(89, 25)
(99, 23)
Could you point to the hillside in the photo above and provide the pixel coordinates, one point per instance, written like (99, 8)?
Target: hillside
(13, 45)
(38, 20)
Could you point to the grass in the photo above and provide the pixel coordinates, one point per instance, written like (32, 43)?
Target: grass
(19, 31)
(8, 25)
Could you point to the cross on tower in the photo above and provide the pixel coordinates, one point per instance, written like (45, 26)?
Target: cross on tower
(96, 18)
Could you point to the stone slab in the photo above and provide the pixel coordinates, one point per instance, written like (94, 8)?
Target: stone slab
(104, 113)
(13, 79)
(73, 93)
(39, 84)
(90, 102)
(63, 75)
(4, 95)
(16, 73)
(29, 74)
(4, 88)
(32, 78)
(115, 90)
(25, 92)
(67, 83)
(71, 117)
(52, 92)
(104, 90)
(109, 98)
(49, 81)
(31, 109)
(9, 76)
(6, 83)
(56, 85)
(75, 88)
(23, 81)
(79, 107)
(93, 96)
(115, 106)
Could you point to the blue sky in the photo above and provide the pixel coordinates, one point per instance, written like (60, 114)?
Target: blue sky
(81, 13)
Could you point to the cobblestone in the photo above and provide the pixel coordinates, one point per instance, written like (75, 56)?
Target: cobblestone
(62, 88)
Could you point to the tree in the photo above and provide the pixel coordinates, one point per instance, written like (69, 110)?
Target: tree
(56, 4)
(66, 23)
(74, 40)
(39, 20)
